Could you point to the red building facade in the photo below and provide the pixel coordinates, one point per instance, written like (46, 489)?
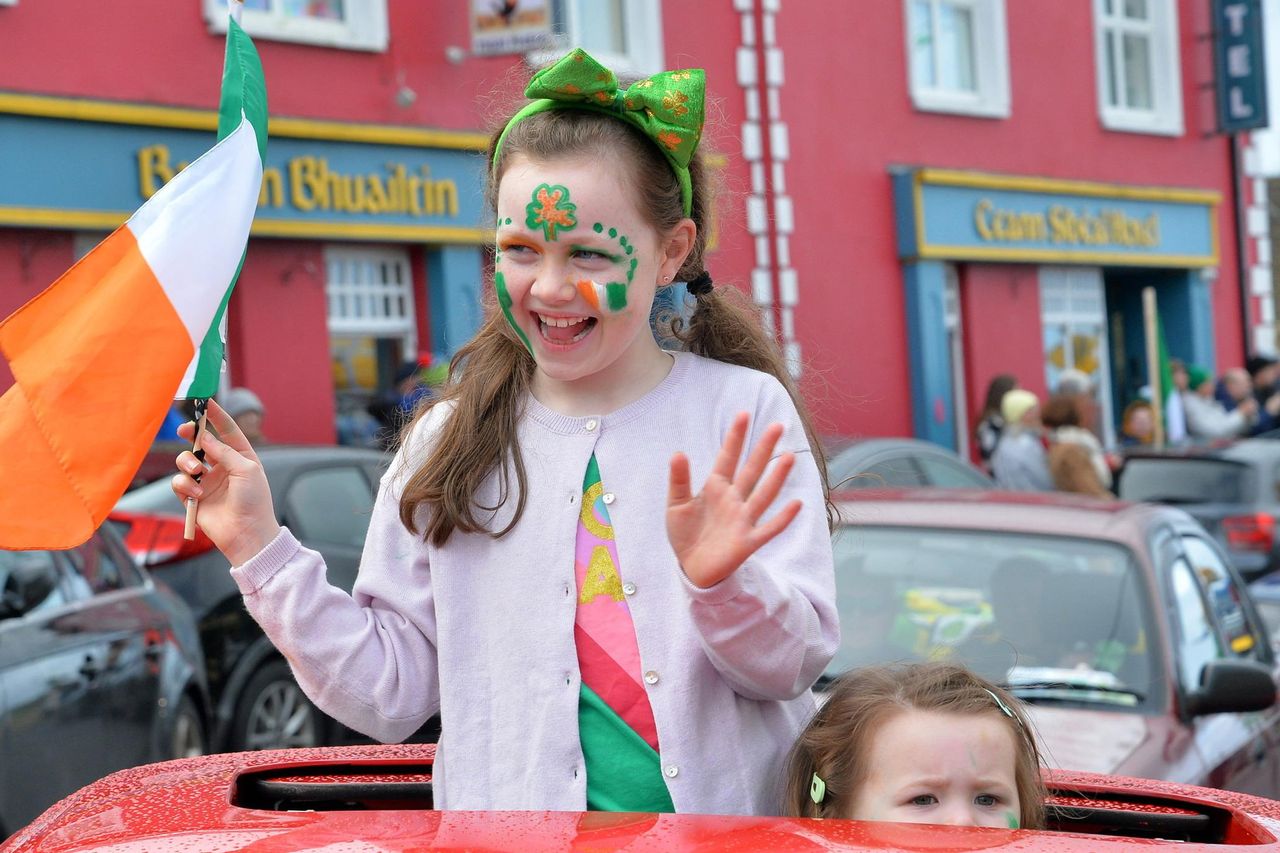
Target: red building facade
(845, 137)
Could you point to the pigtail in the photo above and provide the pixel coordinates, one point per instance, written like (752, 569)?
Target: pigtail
(726, 326)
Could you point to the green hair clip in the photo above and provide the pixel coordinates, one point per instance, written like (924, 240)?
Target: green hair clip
(817, 790)
(667, 107)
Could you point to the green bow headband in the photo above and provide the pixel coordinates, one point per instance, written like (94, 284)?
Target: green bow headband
(668, 107)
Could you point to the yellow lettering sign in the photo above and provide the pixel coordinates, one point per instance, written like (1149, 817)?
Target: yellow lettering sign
(1061, 224)
(307, 184)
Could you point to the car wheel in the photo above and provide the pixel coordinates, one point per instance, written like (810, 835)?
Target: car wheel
(274, 713)
(187, 739)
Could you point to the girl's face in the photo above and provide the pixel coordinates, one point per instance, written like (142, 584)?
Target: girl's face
(576, 270)
(932, 767)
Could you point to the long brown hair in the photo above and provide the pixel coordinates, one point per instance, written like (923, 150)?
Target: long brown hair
(490, 375)
(835, 743)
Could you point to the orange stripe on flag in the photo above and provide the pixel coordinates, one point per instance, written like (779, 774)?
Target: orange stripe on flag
(84, 414)
(588, 290)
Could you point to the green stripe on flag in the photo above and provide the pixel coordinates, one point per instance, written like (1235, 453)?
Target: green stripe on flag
(244, 94)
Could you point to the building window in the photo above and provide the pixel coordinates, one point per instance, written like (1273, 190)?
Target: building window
(373, 331)
(624, 35)
(958, 56)
(352, 24)
(1073, 314)
(1139, 75)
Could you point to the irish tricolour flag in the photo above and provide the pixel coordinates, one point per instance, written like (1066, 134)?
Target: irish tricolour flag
(100, 355)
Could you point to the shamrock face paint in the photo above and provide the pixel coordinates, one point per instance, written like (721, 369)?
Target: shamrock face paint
(580, 305)
(551, 209)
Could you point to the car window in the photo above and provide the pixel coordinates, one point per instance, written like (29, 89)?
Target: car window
(29, 583)
(1198, 642)
(948, 473)
(100, 572)
(895, 473)
(1238, 631)
(330, 505)
(1176, 480)
(1057, 619)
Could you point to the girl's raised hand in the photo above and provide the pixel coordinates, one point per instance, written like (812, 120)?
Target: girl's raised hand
(235, 508)
(715, 531)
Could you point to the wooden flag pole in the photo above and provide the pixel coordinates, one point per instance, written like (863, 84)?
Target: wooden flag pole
(202, 419)
(1151, 329)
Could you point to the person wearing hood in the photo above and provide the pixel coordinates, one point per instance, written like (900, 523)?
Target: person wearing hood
(1207, 419)
(1019, 462)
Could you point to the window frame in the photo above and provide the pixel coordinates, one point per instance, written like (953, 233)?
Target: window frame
(363, 28)
(642, 24)
(990, 52)
(1166, 116)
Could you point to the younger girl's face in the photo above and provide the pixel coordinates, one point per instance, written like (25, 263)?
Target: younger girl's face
(932, 767)
(576, 267)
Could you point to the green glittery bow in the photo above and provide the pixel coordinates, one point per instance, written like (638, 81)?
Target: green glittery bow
(668, 107)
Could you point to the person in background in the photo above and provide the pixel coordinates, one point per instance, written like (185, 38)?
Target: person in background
(1175, 418)
(1073, 382)
(1207, 420)
(1263, 372)
(1077, 462)
(244, 406)
(1020, 462)
(1233, 387)
(986, 433)
(1137, 424)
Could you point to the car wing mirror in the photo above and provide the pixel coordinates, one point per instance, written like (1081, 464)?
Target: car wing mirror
(1232, 686)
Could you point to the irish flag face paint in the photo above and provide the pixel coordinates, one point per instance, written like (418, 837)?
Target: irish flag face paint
(611, 297)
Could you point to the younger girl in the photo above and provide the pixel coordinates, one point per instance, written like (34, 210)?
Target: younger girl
(587, 642)
(921, 743)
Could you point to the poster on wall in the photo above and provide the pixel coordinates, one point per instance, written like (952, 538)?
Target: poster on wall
(510, 26)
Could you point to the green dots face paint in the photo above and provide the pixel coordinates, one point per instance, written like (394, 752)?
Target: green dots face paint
(551, 210)
(597, 228)
(613, 232)
(504, 300)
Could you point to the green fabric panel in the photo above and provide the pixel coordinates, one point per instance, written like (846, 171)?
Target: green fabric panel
(243, 89)
(624, 774)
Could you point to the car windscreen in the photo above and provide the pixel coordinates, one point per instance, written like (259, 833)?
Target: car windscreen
(1057, 619)
(1184, 481)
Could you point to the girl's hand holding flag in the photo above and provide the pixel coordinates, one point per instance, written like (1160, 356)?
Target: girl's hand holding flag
(235, 501)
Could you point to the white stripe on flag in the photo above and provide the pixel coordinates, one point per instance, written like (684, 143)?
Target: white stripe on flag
(193, 231)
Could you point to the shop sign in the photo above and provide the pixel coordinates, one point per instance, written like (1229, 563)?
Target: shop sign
(973, 216)
(510, 26)
(324, 180)
(1240, 65)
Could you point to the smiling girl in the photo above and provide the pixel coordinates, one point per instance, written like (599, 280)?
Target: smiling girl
(606, 564)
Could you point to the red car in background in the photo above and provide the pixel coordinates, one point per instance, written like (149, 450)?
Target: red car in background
(378, 798)
(1123, 626)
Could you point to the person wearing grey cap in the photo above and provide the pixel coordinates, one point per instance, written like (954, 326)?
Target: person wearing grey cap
(244, 405)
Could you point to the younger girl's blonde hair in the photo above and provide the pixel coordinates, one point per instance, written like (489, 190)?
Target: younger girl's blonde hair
(835, 744)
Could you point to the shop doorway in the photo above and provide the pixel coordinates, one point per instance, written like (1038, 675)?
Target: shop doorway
(1176, 298)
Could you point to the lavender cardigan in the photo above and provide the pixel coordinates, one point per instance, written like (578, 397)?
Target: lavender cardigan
(482, 629)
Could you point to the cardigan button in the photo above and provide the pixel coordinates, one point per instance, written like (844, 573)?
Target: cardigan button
(591, 425)
(672, 771)
(651, 677)
(608, 497)
(628, 588)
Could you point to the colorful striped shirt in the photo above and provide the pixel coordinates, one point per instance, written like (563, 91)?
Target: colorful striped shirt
(615, 720)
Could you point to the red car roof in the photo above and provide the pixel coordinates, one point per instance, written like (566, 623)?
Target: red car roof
(198, 804)
(1053, 513)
